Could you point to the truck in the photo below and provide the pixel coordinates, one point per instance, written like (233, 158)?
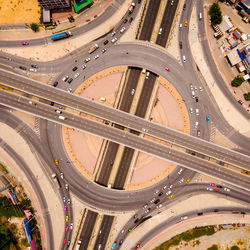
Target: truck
(55, 179)
(94, 48)
(78, 245)
(131, 8)
(61, 35)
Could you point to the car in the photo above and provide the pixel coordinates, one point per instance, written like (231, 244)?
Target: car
(153, 200)
(121, 241)
(113, 246)
(67, 218)
(184, 217)
(69, 90)
(66, 229)
(125, 20)
(56, 162)
(184, 6)
(104, 50)
(114, 40)
(191, 110)
(144, 130)
(157, 201)
(180, 44)
(131, 19)
(87, 60)
(52, 103)
(33, 70)
(184, 58)
(156, 191)
(23, 68)
(61, 174)
(187, 180)
(96, 57)
(145, 206)
(171, 196)
(136, 220)
(84, 66)
(64, 199)
(159, 206)
(196, 99)
(180, 171)
(200, 88)
(199, 214)
(198, 133)
(65, 78)
(106, 42)
(209, 189)
(197, 111)
(219, 186)
(181, 180)
(67, 186)
(34, 66)
(216, 190)
(207, 118)
(65, 208)
(139, 1)
(211, 184)
(137, 246)
(170, 187)
(58, 111)
(68, 242)
(227, 189)
(111, 163)
(216, 210)
(74, 69)
(180, 25)
(169, 192)
(160, 31)
(113, 33)
(165, 187)
(64, 242)
(147, 211)
(135, 216)
(71, 226)
(186, 23)
(25, 43)
(147, 75)
(55, 84)
(122, 231)
(160, 194)
(133, 91)
(167, 69)
(191, 86)
(70, 80)
(240, 102)
(172, 2)
(76, 75)
(69, 201)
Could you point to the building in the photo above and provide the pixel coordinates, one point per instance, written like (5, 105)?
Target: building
(80, 5)
(54, 4)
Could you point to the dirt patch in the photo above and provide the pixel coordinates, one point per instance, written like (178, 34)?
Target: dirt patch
(19, 11)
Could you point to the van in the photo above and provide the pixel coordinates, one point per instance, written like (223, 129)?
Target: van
(200, 15)
(103, 99)
(184, 59)
(197, 111)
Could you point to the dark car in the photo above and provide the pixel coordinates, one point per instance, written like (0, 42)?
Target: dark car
(23, 68)
(131, 19)
(199, 214)
(111, 163)
(240, 102)
(157, 201)
(136, 220)
(180, 45)
(74, 69)
(55, 84)
(52, 103)
(121, 241)
(184, 6)
(216, 210)
(70, 80)
(34, 66)
(125, 20)
(196, 99)
(160, 194)
(139, 1)
(218, 186)
(106, 42)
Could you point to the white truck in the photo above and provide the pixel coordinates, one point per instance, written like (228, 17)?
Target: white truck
(78, 245)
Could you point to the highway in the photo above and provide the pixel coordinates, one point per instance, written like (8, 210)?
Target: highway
(128, 139)
(126, 120)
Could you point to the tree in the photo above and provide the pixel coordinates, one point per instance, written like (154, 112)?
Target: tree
(71, 19)
(247, 96)
(215, 13)
(237, 81)
(34, 27)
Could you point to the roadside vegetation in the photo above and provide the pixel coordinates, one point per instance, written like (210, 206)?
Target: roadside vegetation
(237, 81)
(215, 13)
(247, 96)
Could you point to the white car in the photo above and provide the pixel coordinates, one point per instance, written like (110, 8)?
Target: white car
(200, 88)
(191, 110)
(160, 31)
(227, 189)
(62, 175)
(153, 200)
(67, 186)
(114, 40)
(69, 90)
(159, 206)
(96, 57)
(209, 189)
(197, 111)
(113, 33)
(65, 78)
(122, 231)
(84, 66)
(169, 192)
(179, 172)
(165, 187)
(133, 91)
(33, 70)
(76, 75)
(181, 180)
(196, 124)
(122, 29)
(87, 60)
(170, 187)
(71, 226)
(184, 217)
(180, 25)
(147, 75)
(64, 199)
(69, 201)
(144, 130)
(191, 86)
(145, 206)
(104, 50)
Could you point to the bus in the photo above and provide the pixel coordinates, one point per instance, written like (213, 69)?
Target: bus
(61, 35)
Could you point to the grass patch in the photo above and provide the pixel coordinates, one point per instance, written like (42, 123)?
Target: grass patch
(3, 168)
(213, 247)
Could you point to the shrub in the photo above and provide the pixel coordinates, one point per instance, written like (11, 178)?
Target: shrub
(215, 13)
(213, 247)
(237, 81)
(34, 27)
(71, 19)
(247, 96)
(235, 248)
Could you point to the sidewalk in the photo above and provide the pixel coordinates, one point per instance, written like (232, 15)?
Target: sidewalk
(231, 114)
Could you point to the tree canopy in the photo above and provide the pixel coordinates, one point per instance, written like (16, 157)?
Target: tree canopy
(215, 13)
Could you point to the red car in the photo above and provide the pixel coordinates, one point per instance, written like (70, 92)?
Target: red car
(64, 242)
(216, 190)
(66, 229)
(167, 69)
(212, 184)
(137, 246)
(25, 43)
(65, 208)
